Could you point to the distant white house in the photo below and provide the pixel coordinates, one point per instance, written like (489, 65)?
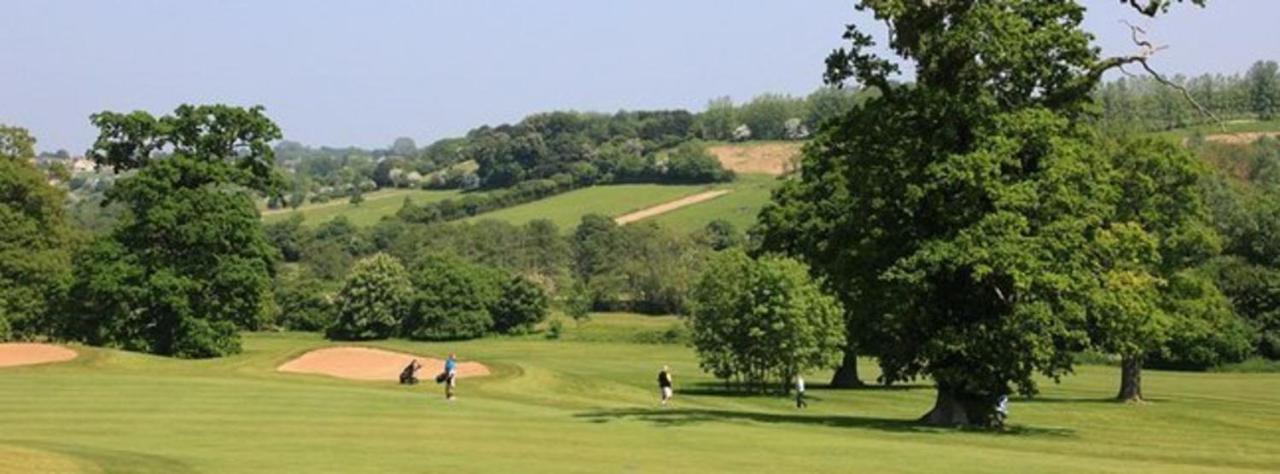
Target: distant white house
(82, 165)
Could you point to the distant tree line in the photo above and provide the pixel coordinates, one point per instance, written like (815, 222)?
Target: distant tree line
(1144, 104)
(1243, 198)
(600, 266)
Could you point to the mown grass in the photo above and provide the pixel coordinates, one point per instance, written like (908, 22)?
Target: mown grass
(566, 209)
(750, 193)
(376, 205)
(589, 405)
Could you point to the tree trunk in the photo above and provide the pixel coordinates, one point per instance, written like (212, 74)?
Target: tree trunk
(952, 408)
(847, 375)
(1130, 379)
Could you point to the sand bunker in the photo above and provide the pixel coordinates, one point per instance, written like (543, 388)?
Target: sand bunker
(669, 206)
(363, 363)
(15, 354)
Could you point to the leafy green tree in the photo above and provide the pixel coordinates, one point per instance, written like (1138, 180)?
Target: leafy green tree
(692, 163)
(304, 301)
(1205, 331)
(578, 302)
(1264, 89)
(762, 322)
(521, 306)
(719, 120)
(828, 103)
(287, 236)
(766, 114)
(373, 300)
(188, 265)
(721, 234)
(1254, 291)
(593, 242)
(953, 217)
(403, 146)
(1158, 231)
(451, 299)
(543, 255)
(35, 241)
(651, 270)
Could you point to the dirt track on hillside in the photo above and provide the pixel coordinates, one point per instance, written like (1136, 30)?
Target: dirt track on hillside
(364, 363)
(670, 206)
(16, 354)
(1242, 138)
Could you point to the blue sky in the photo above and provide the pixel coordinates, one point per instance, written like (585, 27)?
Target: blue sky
(363, 73)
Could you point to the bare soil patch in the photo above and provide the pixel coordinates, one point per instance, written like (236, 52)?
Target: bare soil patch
(1242, 138)
(364, 363)
(775, 158)
(22, 353)
(670, 206)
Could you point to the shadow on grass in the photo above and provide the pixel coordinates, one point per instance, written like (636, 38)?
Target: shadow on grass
(874, 387)
(110, 460)
(719, 390)
(1066, 400)
(683, 417)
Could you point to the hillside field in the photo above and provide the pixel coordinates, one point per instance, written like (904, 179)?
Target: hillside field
(758, 157)
(566, 209)
(376, 205)
(740, 207)
(587, 403)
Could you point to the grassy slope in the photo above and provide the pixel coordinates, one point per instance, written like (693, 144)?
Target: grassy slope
(587, 404)
(567, 209)
(750, 193)
(376, 205)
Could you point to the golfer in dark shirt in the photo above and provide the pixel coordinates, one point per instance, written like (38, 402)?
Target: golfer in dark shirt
(664, 384)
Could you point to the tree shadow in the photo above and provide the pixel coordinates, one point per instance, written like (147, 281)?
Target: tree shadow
(873, 387)
(1068, 400)
(713, 389)
(669, 417)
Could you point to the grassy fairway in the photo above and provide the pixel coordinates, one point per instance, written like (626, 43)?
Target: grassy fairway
(567, 209)
(587, 404)
(376, 205)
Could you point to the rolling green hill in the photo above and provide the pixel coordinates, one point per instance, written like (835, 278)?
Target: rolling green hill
(588, 403)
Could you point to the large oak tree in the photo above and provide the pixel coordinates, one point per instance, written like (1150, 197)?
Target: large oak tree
(188, 266)
(957, 216)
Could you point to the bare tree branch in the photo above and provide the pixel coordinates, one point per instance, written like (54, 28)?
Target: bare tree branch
(1147, 49)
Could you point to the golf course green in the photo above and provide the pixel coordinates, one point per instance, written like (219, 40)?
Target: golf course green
(587, 402)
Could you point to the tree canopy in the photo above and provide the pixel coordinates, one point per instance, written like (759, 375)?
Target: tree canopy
(956, 217)
(35, 240)
(762, 322)
(188, 265)
(373, 300)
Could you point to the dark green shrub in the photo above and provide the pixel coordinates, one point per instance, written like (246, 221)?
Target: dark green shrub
(372, 301)
(522, 305)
